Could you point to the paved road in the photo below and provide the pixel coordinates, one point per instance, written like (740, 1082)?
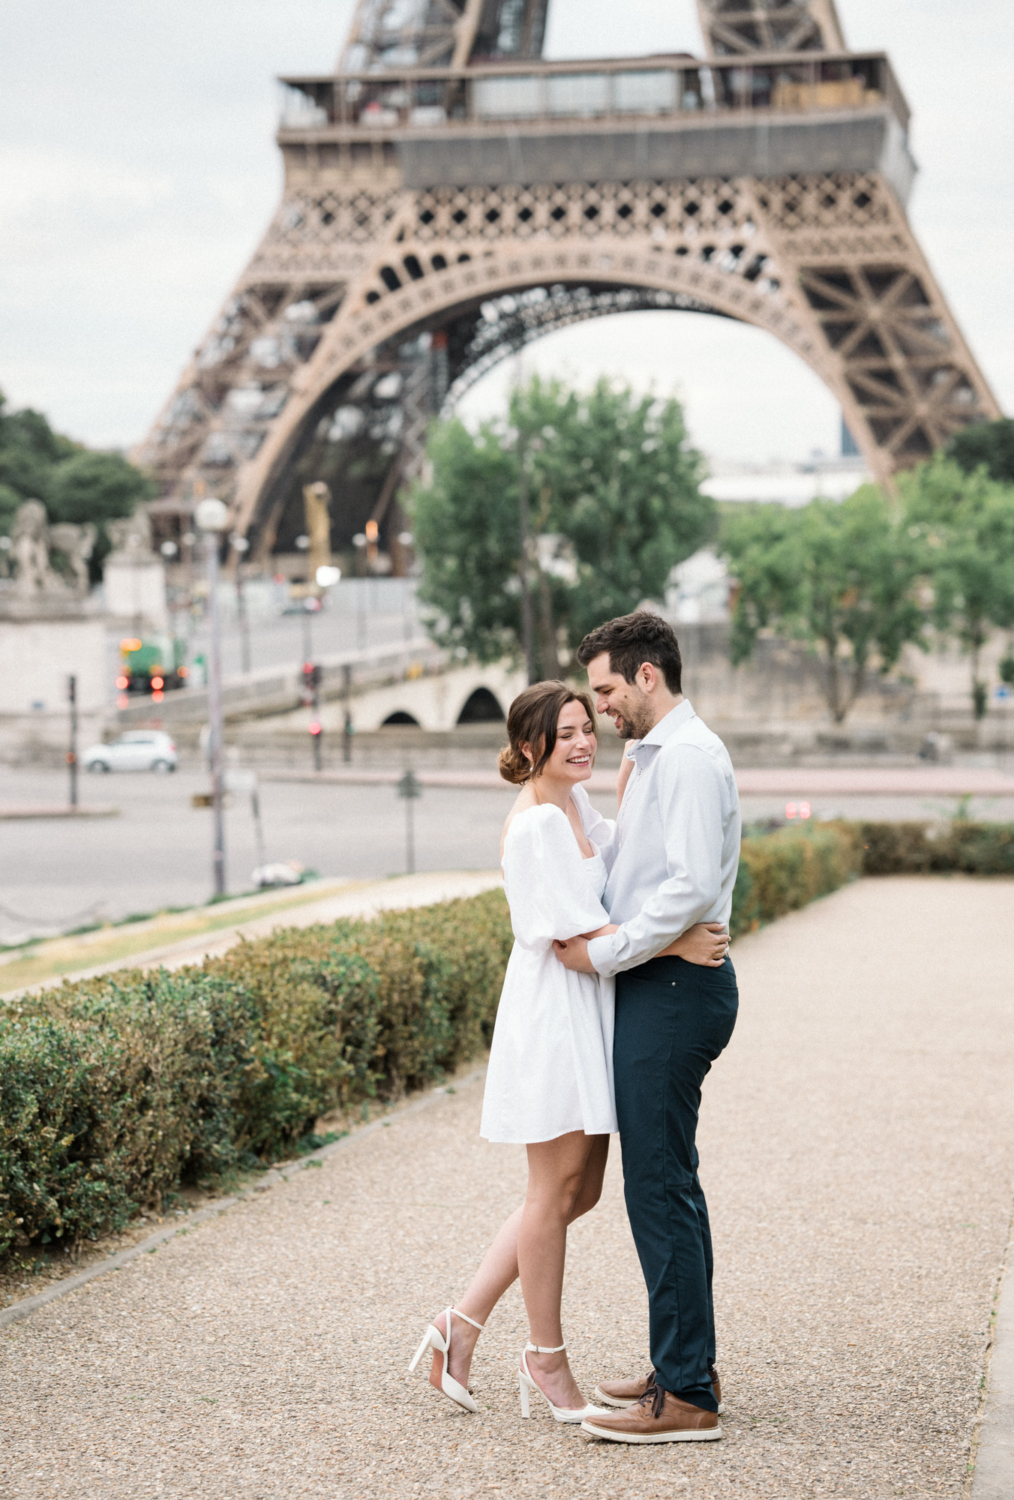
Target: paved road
(857, 1144)
(56, 874)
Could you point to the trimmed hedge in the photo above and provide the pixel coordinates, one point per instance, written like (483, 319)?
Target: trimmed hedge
(931, 848)
(780, 872)
(114, 1091)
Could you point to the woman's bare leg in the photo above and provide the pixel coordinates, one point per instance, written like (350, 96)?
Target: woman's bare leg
(556, 1177)
(499, 1269)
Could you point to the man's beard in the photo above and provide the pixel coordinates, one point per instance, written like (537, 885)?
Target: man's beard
(635, 723)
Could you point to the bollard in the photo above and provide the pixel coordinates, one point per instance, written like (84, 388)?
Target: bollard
(410, 789)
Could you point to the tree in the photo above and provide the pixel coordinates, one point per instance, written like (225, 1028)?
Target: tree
(74, 483)
(965, 524)
(989, 443)
(843, 577)
(29, 449)
(614, 501)
(95, 487)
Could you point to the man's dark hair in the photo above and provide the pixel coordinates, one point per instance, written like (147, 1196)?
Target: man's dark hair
(633, 639)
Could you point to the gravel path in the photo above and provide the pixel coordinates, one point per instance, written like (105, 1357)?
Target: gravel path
(857, 1144)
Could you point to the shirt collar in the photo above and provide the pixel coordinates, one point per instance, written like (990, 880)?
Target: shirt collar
(663, 730)
(668, 725)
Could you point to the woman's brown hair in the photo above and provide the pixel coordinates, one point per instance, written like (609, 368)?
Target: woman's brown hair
(532, 721)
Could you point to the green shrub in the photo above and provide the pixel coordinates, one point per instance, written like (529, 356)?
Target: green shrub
(921, 848)
(115, 1090)
(782, 871)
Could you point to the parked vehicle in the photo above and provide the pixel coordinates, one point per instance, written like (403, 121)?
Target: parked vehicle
(135, 750)
(154, 665)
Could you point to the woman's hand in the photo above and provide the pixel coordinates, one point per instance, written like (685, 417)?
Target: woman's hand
(706, 943)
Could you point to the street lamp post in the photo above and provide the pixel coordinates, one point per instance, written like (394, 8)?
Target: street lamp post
(239, 546)
(72, 750)
(212, 516)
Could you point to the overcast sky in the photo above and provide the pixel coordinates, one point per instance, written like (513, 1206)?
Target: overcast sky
(138, 171)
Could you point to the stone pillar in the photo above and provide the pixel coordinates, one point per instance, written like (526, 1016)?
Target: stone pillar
(134, 576)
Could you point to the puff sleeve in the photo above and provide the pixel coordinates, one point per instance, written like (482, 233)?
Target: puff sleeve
(547, 886)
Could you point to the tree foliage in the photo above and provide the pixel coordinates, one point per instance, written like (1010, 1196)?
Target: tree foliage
(615, 503)
(843, 577)
(95, 487)
(964, 524)
(989, 443)
(74, 483)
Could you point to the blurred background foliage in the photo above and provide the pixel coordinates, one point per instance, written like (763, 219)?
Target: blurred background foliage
(614, 495)
(74, 483)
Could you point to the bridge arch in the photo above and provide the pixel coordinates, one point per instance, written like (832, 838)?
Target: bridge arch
(481, 707)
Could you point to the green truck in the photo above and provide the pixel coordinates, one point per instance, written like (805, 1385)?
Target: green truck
(152, 665)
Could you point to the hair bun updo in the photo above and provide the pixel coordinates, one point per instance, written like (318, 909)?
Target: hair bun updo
(513, 766)
(532, 721)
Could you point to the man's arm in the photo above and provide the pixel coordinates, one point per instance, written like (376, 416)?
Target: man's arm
(690, 797)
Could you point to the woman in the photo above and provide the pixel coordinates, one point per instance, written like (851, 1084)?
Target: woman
(549, 1084)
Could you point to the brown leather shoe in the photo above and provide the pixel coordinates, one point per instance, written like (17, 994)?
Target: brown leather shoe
(624, 1393)
(659, 1417)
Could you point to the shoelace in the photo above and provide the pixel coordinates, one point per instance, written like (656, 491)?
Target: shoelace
(654, 1397)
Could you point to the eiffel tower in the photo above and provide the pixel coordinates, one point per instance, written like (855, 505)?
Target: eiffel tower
(450, 196)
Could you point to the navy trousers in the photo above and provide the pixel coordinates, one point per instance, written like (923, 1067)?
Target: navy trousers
(673, 1019)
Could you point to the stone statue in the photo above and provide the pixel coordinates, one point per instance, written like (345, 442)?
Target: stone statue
(30, 553)
(134, 575)
(76, 544)
(131, 537)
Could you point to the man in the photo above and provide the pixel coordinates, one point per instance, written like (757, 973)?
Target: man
(676, 862)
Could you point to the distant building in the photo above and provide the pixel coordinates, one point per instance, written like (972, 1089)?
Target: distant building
(698, 592)
(849, 447)
(786, 483)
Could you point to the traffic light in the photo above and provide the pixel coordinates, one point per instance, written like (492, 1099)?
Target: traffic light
(311, 682)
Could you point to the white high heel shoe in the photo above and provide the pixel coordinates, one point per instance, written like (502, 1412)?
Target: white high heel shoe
(526, 1384)
(434, 1339)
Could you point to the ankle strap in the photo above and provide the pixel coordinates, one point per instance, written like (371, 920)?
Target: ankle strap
(452, 1312)
(531, 1348)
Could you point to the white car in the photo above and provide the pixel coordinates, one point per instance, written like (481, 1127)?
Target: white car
(137, 750)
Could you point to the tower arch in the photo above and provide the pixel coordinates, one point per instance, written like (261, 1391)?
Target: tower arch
(437, 213)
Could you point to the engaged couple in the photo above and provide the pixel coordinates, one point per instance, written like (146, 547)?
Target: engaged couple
(618, 997)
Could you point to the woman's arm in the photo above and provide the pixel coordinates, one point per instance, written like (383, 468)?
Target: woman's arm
(706, 943)
(626, 769)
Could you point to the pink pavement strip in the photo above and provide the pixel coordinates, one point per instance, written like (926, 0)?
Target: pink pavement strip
(799, 781)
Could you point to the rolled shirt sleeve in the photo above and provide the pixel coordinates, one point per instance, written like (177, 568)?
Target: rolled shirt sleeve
(690, 804)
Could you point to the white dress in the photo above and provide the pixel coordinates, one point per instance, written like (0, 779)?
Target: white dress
(551, 1063)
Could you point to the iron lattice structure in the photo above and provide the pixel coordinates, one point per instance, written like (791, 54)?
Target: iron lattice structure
(449, 196)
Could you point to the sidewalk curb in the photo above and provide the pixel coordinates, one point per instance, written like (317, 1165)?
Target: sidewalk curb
(993, 1473)
(12, 813)
(282, 1172)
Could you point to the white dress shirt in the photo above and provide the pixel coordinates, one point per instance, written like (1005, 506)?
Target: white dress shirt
(677, 842)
